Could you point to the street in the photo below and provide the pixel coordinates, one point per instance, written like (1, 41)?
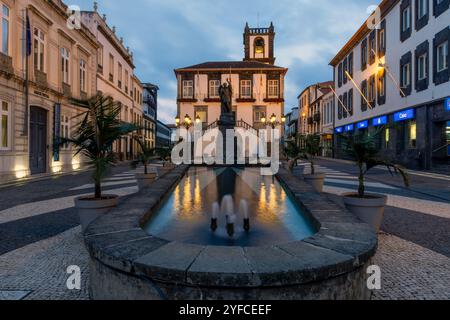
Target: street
(40, 236)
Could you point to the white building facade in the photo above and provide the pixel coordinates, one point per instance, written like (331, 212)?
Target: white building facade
(258, 85)
(399, 82)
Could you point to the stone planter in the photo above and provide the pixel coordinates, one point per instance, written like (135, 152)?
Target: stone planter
(315, 180)
(145, 180)
(369, 209)
(89, 209)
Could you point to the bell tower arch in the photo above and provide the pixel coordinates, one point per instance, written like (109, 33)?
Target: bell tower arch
(259, 44)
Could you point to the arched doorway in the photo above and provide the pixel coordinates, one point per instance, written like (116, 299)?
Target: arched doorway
(38, 140)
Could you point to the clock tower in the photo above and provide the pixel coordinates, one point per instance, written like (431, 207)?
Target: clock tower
(259, 44)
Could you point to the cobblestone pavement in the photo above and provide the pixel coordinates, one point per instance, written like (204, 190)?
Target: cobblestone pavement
(413, 253)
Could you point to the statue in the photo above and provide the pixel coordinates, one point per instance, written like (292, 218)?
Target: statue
(226, 97)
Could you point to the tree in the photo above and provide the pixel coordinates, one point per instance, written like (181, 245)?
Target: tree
(100, 126)
(144, 156)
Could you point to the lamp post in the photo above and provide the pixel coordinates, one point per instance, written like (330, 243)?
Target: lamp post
(273, 123)
(187, 122)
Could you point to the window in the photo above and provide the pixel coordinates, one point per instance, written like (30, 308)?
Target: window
(202, 113)
(381, 87)
(340, 107)
(344, 70)
(440, 6)
(387, 137)
(119, 76)
(273, 88)
(65, 130)
(39, 49)
(422, 8)
(350, 102)
(188, 89)
(382, 39)
(340, 75)
(422, 67)
(364, 94)
(111, 67)
(442, 57)
(246, 89)
(350, 64)
(372, 48)
(127, 76)
(82, 75)
(406, 71)
(65, 58)
(5, 15)
(100, 57)
(412, 134)
(406, 19)
(4, 126)
(371, 93)
(364, 54)
(214, 86)
(345, 103)
(258, 114)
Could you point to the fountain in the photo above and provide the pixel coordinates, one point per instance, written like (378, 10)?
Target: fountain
(215, 215)
(243, 209)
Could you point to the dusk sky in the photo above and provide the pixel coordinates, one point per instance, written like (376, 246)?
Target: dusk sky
(170, 34)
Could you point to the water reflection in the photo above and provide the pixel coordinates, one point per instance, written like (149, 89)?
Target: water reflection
(186, 215)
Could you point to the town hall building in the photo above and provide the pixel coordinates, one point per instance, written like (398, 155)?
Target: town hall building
(257, 85)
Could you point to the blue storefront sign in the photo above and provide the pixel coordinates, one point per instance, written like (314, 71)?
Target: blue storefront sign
(405, 115)
(339, 130)
(349, 128)
(380, 121)
(447, 104)
(363, 124)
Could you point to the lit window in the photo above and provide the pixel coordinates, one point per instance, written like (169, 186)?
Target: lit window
(65, 56)
(274, 90)
(4, 35)
(214, 88)
(39, 49)
(4, 125)
(83, 75)
(412, 134)
(246, 88)
(442, 57)
(259, 46)
(188, 89)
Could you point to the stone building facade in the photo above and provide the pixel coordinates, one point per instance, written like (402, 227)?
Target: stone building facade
(395, 79)
(44, 67)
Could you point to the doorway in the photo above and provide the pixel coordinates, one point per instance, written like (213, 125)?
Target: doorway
(38, 140)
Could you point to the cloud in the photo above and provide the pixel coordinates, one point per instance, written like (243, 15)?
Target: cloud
(165, 35)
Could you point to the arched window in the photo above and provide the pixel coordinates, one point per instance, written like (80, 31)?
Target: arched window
(259, 46)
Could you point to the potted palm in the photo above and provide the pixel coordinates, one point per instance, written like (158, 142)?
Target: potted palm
(293, 153)
(100, 126)
(310, 150)
(368, 207)
(147, 177)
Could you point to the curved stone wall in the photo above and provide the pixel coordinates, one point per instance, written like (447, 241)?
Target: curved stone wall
(127, 263)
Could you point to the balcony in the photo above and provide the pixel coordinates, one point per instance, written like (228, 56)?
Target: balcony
(66, 89)
(6, 64)
(40, 78)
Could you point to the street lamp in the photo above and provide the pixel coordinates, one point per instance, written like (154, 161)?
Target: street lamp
(273, 122)
(187, 123)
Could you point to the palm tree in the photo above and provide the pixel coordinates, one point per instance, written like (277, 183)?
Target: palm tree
(100, 126)
(144, 156)
(362, 149)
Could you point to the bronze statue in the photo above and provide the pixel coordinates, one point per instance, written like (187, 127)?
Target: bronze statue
(226, 97)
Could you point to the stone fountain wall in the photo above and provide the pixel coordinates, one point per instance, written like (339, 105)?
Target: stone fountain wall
(126, 263)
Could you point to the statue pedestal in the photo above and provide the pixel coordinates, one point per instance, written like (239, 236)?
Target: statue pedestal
(227, 122)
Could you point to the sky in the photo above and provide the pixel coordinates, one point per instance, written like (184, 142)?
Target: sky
(169, 34)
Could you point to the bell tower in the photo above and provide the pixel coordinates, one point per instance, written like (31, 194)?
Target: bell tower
(259, 44)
